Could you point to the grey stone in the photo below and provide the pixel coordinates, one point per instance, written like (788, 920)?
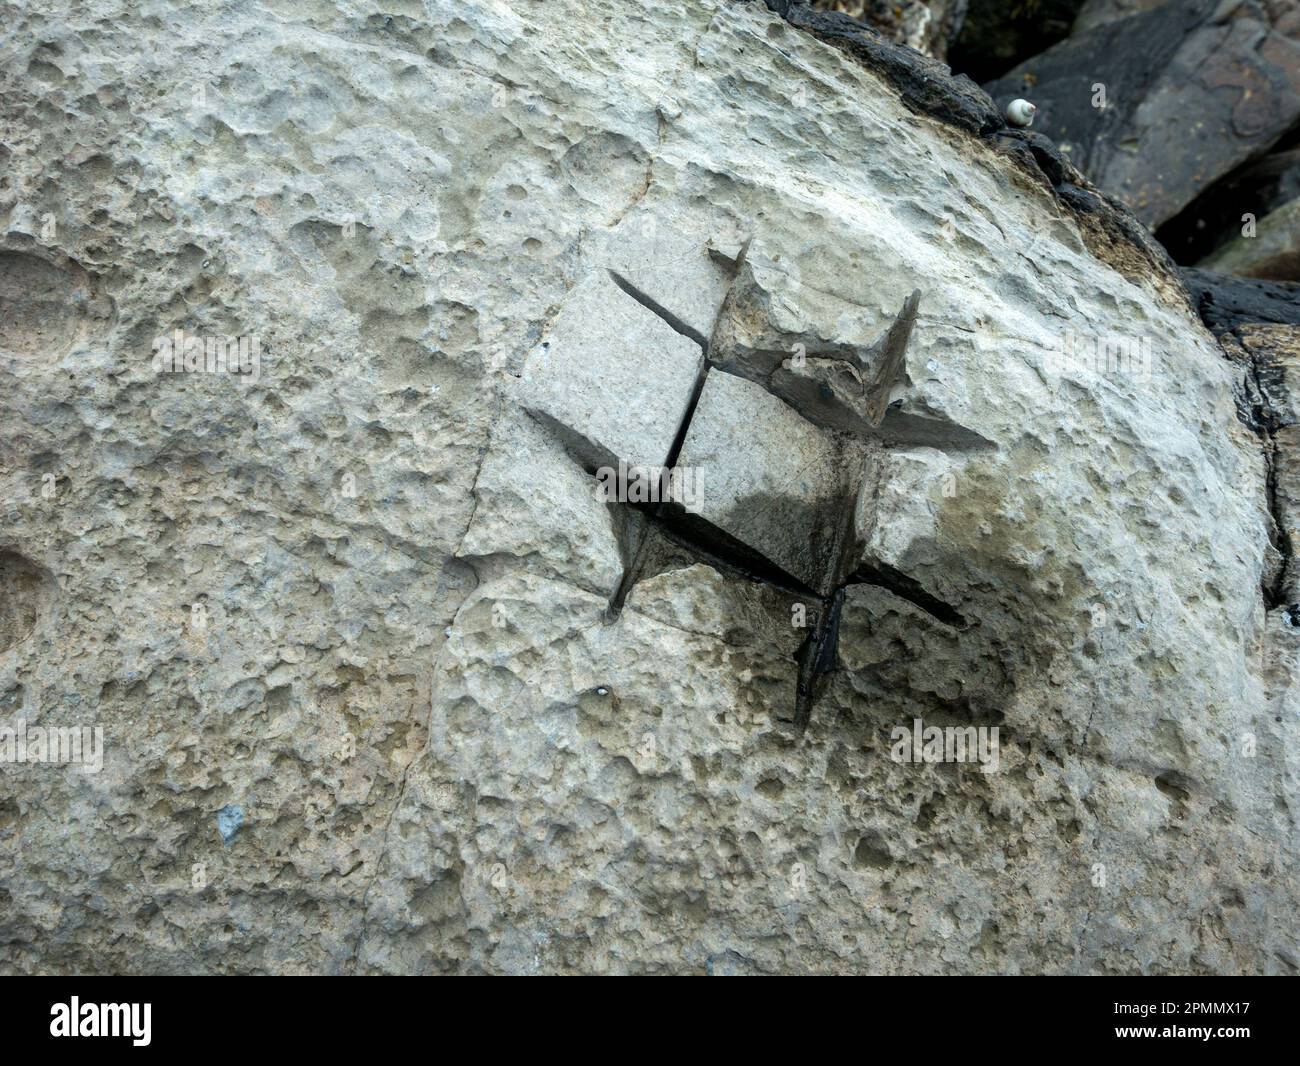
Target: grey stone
(613, 376)
(533, 503)
(769, 478)
(853, 393)
(663, 257)
(1194, 88)
(330, 597)
(1271, 252)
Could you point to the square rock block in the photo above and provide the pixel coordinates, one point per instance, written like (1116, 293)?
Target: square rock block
(667, 261)
(769, 479)
(612, 377)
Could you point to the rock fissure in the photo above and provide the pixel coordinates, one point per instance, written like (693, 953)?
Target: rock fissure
(752, 531)
(907, 588)
(653, 305)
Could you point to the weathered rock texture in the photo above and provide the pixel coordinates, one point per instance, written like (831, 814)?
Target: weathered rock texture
(1269, 250)
(926, 25)
(386, 687)
(1157, 106)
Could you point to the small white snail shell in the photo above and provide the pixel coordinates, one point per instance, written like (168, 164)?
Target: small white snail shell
(1020, 113)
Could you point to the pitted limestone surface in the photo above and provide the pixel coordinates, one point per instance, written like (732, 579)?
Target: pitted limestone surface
(391, 550)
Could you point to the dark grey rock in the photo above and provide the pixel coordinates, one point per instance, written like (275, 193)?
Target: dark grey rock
(929, 26)
(1192, 90)
(1225, 302)
(1270, 251)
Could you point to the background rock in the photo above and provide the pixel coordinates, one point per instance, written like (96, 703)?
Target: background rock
(1271, 251)
(998, 34)
(1226, 302)
(1095, 13)
(1192, 89)
(929, 26)
(1221, 214)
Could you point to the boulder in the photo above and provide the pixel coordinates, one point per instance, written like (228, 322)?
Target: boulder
(1156, 107)
(1271, 251)
(346, 624)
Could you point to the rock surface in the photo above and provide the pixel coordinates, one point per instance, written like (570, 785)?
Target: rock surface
(362, 596)
(1271, 251)
(1226, 302)
(1098, 12)
(770, 478)
(1158, 106)
(1229, 207)
(929, 26)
